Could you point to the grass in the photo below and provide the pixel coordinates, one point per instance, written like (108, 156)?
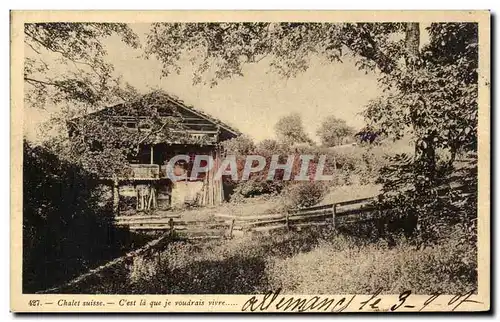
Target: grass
(345, 267)
(251, 206)
(310, 262)
(267, 205)
(350, 192)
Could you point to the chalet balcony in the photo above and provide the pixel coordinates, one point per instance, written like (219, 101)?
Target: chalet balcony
(145, 171)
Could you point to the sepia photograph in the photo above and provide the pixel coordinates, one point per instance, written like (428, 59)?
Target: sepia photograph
(277, 160)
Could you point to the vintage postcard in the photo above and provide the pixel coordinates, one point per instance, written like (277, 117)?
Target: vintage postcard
(250, 161)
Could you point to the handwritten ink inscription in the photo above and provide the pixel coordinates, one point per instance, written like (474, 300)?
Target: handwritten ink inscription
(273, 301)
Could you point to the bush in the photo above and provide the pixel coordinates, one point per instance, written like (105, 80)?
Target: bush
(304, 194)
(67, 228)
(255, 187)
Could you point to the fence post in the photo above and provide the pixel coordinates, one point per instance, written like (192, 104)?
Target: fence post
(287, 221)
(334, 213)
(158, 258)
(116, 196)
(171, 225)
(231, 229)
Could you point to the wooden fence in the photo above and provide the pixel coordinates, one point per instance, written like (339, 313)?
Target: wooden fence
(229, 226)
(324, 215)
(190, 229)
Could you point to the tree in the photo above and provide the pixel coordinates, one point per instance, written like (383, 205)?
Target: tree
(392, 49)
(241, 145)
(67, 66)
(219, 50)
(334, 131)
(67, 225)
(66, 62)
(430, 92)
(290, 130)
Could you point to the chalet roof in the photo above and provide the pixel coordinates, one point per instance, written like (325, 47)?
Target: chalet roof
(163, 100)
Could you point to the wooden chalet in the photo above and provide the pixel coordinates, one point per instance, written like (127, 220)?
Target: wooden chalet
(191, 132)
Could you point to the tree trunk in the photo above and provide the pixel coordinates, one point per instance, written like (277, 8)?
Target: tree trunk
(424, 150)
(412, 39)
(425, 153)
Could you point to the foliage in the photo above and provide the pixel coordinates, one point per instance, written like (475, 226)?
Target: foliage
(102, 147)
(66, 62)
(363, 268)
(304, 194)
(255, 187)
(66, 228)
(334, 131)
(66, 65)
(240, 145)
(353, 164)
(258, 182)
(313, 261)
(290, 130)
(448, 201)
(220, 50)
(438, 101)
(430, 92)
(434, 98)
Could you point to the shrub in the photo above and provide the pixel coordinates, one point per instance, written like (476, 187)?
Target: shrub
(304, 194)
(255, 187)
(67, 228)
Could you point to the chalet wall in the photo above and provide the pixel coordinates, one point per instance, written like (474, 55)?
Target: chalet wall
(186, 192)
(182, 193)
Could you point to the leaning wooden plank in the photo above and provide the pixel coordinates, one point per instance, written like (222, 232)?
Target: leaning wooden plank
(149, 224)
(311, 217)
(322, 207)
(263, 222)
(156, 226)
(176, 222)
(148, 227)
(144, 221)
(135, 217)
(356, 201)
(200, 223)
(261, 217)
(268, 228)
(254, 217)
(311, 214)
(205, 237)
(133, 222)
(358, 211)
(300, 213)
(310, 224)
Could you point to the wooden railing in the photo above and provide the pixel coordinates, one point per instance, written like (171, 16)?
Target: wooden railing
(324, 215)
(228, 226)
(145, 171)
(190, 229)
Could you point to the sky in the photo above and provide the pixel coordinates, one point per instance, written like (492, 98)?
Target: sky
(252, 103)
